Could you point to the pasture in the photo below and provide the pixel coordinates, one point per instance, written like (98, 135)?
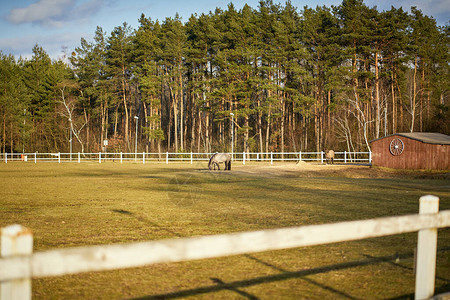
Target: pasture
(68, 205)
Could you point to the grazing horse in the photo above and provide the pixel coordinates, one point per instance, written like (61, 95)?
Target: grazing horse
(329, 155)
(217, 158)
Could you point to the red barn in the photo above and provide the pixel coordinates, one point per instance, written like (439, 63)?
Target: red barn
(417, 150)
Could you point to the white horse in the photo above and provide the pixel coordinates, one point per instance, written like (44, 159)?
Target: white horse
(217, 158)
(329, 155)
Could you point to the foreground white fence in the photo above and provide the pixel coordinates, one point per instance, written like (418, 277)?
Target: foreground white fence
(18, 264)
(143, 157)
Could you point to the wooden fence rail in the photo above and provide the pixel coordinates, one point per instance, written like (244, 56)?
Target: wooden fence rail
(18, 264)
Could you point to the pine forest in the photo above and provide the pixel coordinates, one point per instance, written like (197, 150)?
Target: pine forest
(275, 77)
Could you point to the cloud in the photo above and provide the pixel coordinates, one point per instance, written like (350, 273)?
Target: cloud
(54, 13)
(52, 44)
(438, 9)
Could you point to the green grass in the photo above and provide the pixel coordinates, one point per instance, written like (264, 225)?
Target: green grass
(69, 205)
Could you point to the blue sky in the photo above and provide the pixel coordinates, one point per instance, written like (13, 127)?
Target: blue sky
(58, 24)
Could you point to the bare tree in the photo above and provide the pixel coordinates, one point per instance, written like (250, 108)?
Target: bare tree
(411, 108)
(69, 104)
(344, 132)
(355, 109)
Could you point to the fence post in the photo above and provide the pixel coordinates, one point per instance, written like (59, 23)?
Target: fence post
(321, 157)
(300, 156)
(426, 251)
(370, 157)
(16, 240)
(243, 158)
(59, 157)
(143, 157)
(191, 157)
(79, 158)
(35, 157)
(167, 158)
(99, 157)
(6, 157)
(121, 159)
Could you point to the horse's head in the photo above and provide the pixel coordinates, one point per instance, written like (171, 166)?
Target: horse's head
(210, 164)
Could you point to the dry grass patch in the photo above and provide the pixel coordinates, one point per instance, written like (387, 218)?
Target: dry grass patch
(88, 204)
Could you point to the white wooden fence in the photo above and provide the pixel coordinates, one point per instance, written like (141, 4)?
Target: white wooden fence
(19, 264)
(143, 157)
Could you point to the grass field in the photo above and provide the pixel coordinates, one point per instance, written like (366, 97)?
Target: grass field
(69, 205)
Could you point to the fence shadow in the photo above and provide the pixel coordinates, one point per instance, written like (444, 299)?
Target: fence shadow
(146, 221)
(235, 286)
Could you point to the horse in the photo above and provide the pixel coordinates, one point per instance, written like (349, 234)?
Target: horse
(217, 158)
(329, 155)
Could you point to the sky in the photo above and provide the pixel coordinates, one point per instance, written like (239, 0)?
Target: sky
(56, 25)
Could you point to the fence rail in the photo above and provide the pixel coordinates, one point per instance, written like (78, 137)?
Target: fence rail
(143, 157)
(18, 264)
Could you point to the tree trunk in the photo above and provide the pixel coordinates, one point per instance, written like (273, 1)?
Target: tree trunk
(4, 133)
(377, 99)
(317, 121)
(421, 98)
(394, 108)
(180, 79)
(175, 118)
(116, 120)
(413, 98)
(261, 149)
(125, 106)
(199, 135)
(269, 121)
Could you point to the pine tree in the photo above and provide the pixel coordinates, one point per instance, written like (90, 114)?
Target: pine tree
(88, 62)
(118, 60)
(173, 45)
(14, 102)
(145, 57)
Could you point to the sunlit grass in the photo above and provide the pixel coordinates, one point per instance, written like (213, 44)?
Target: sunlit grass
(69, 205)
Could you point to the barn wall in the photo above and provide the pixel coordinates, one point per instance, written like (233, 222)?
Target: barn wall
(416, 155)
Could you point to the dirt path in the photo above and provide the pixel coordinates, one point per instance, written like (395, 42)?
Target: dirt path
(304, 169)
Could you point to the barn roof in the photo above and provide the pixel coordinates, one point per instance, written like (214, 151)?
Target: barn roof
(424, 137)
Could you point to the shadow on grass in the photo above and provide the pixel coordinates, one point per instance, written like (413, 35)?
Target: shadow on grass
(236, 286)
(146, 221)
(444, 289)
(285, 275)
